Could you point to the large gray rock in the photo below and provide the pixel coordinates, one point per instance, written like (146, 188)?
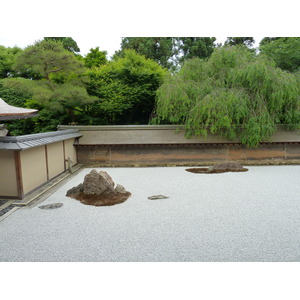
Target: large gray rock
(98, 183)
(98, 189)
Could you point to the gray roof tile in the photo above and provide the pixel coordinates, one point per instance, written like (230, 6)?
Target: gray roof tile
(35, 140)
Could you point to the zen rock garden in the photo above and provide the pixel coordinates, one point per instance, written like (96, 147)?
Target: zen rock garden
(229, 166)
(99, 189)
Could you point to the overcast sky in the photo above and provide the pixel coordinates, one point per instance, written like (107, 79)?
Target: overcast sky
(108, 43)
(94, 24)
(85, 43)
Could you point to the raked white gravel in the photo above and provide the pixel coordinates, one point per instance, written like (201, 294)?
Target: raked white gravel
(252, 216)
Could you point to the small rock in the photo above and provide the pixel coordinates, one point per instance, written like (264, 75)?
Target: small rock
(75, 190)
(120, 189)
(229, 165)
(156, 197)
(210, 169)
(51, 206)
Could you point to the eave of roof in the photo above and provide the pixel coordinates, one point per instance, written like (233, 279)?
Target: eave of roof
(34, 140)
(18, 117)
(8, 112)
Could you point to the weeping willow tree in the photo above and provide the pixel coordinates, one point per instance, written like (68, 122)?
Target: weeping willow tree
(235, 93)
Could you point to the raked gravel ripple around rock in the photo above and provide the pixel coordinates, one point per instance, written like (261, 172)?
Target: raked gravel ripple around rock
(251, 216)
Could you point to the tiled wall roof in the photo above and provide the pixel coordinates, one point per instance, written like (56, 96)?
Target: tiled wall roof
(35, 140)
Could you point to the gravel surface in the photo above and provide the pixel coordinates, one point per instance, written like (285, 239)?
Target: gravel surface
(251, 216)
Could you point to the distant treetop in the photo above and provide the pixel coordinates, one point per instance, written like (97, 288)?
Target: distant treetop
(68, 43)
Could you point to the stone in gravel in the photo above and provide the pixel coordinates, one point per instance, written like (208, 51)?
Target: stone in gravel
(120, 189)
(98, 189)
(51, 206)
(229, 165)
(210, 169)
(157, 197)
(98, 183)
(75, 190)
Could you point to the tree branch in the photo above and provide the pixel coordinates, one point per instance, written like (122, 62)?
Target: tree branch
(56, 70)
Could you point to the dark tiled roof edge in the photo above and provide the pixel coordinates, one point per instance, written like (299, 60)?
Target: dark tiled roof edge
(39, 139)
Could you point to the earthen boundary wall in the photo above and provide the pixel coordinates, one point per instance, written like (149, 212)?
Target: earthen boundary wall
(147, 145)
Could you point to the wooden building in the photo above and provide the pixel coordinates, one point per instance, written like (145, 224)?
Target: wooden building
(27, 162)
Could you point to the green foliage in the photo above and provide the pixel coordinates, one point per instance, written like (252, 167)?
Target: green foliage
(45, 58)
(159, 49)
(67, 42)
(57, 103)
(192, 47)
(60, 104)
(7, 59)
(125, 88)
(170, 52)
(14, 91)
(284, 51)
(234, 93)
(95, 58)
(246, 41)
(267, 40)
(56, 88)
(14, 94)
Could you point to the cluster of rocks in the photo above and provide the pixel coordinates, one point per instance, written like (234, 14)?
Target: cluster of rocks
(99, 189)
(229, 166)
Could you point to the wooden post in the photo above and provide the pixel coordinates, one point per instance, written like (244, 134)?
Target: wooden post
(64, 153)
(19, 174)
(69, 161)
(47, 167)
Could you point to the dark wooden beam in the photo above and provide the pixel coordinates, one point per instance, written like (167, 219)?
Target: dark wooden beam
(64, 158)
(19, 174)
(47, 167)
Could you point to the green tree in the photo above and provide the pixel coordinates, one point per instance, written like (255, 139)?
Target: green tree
(170, 52)
(267, 40)
(45, 58)
(67, 42)
(159, 49)
(95, 58)
(247, 41)
(16, 96)
(56, 86)
(7, 60)
(57, 103)
(125, 88)
(285, 51)
(192, 47)
(234, 93)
